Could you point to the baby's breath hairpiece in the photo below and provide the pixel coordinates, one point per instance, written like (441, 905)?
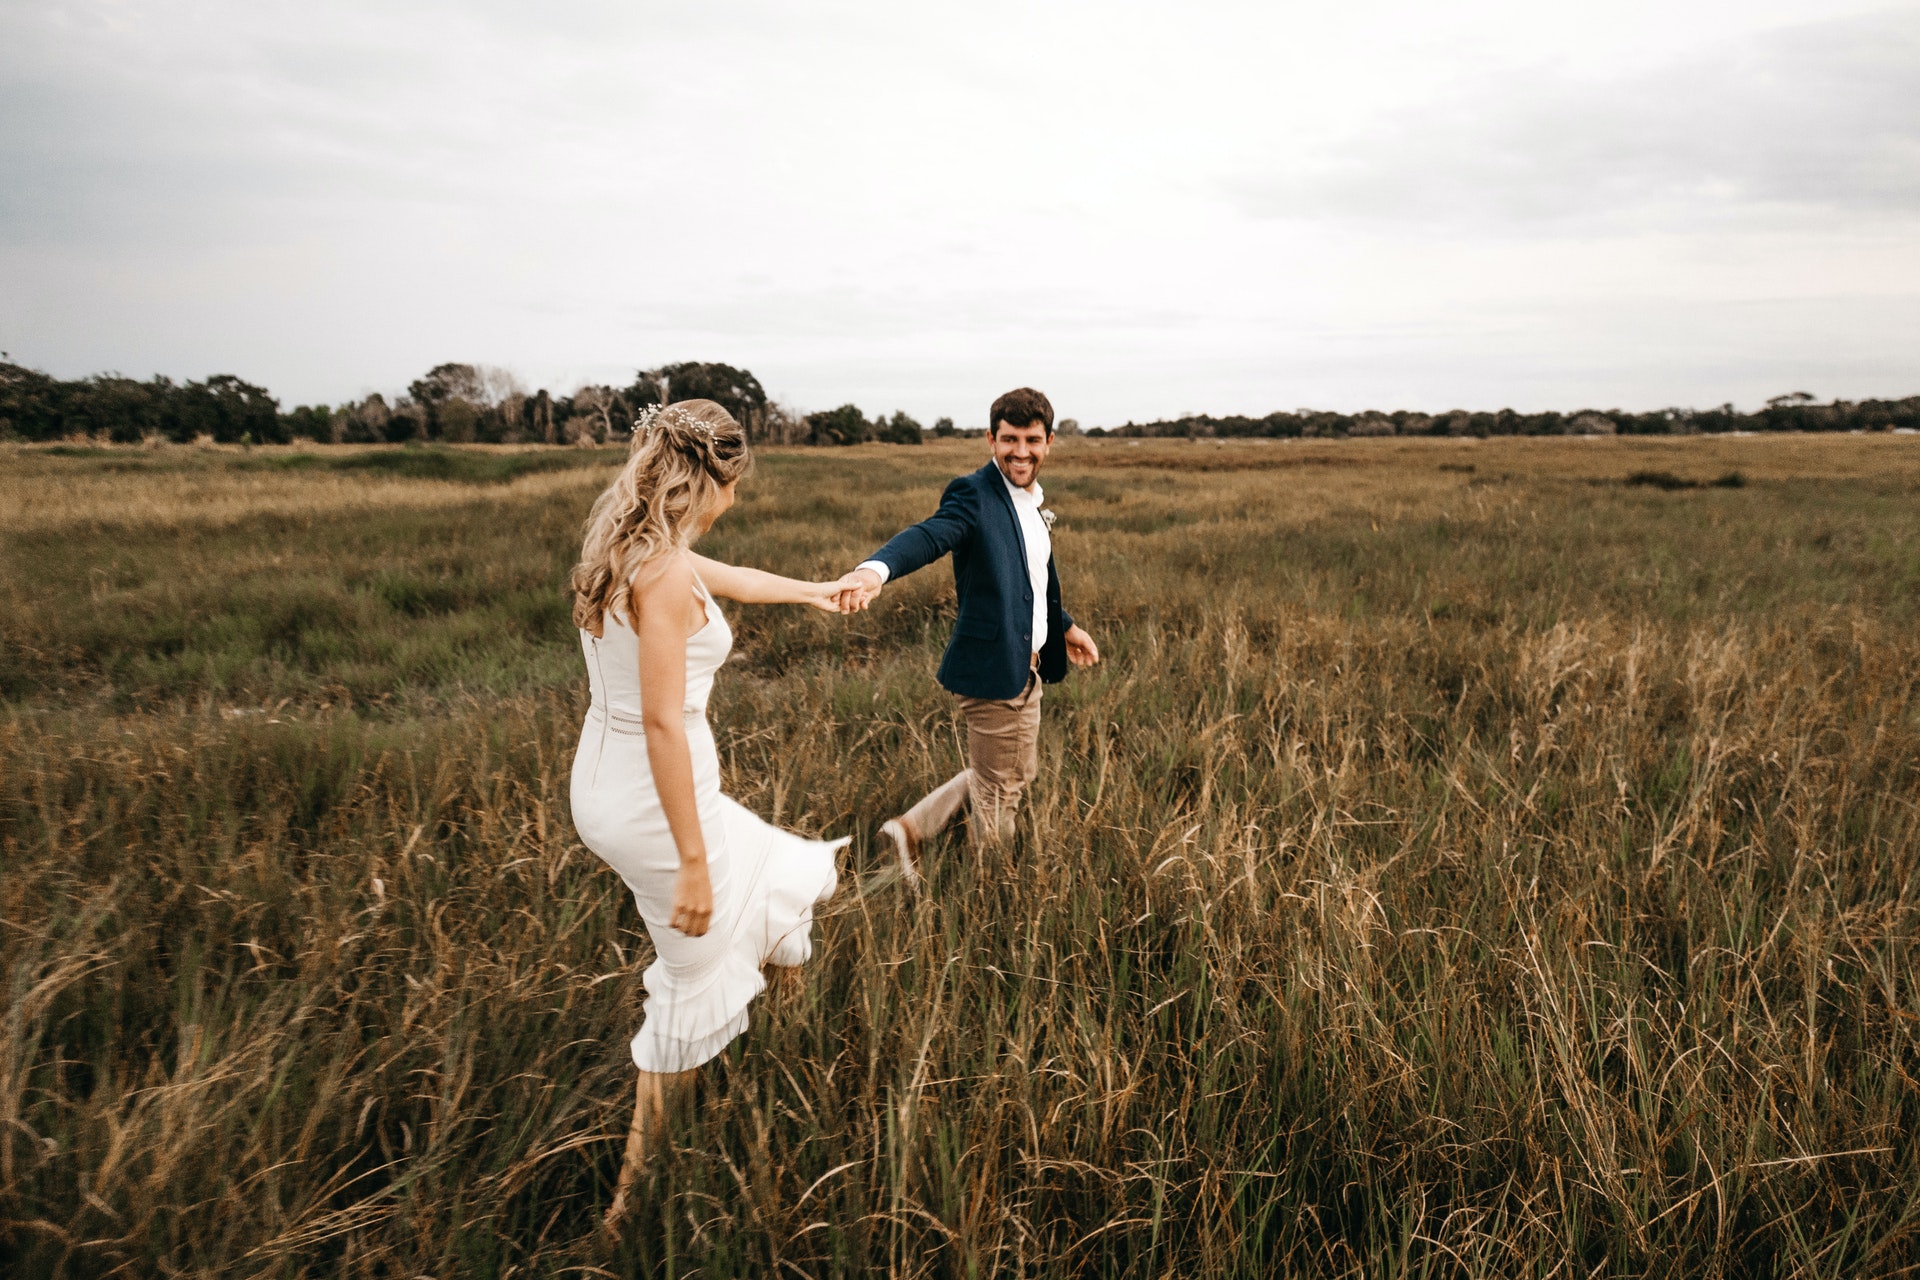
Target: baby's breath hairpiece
(645, 419)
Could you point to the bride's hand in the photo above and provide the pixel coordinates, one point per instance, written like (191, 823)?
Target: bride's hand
(848, 595)
(824, 596)
(857, 590)
(692, 900)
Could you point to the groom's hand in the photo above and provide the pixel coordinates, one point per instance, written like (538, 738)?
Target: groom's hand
(858, 589)
(1081, 650)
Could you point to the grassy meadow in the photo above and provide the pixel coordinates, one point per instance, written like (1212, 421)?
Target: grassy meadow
(1473, 858)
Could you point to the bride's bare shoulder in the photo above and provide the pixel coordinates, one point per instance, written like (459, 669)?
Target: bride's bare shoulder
(662, 574)
(663, 578)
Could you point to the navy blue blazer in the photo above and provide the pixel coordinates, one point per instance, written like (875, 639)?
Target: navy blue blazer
(992, 644)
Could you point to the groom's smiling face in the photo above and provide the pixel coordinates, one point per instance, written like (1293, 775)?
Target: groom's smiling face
(1019, 452)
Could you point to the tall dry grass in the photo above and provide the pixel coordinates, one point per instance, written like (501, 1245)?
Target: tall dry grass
(1504, 871)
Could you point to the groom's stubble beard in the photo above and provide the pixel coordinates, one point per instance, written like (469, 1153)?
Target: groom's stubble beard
(1032, 475)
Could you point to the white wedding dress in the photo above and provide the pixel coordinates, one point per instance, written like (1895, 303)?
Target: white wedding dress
(766, 881)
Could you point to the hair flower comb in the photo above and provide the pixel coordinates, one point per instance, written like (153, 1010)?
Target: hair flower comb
(644, 420)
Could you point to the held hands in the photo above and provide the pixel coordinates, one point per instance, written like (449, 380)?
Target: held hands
(857, 590)
(1081, 650)
(692, 899)
(824, 596)
(831, 597)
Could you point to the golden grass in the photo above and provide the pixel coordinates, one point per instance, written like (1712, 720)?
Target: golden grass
(197, 486)
(1492, 872)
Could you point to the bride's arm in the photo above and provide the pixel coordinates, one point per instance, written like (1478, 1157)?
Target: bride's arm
(756, 586)
(660, 599)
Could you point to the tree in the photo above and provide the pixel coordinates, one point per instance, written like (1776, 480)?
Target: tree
(604, 405)
(227, 408)
(735, 390)
(500, 412)
(310, 422)
(366, 422)
(509, 418)
(1791, 412)
(649, 387)
(845, 425)
(444, 382)
(117, 408)
(900, 429)
(1067, 427)
(446, 385)
(943, 427)
(784, 425)
(408, 421)
(29, 403)
(459, 420)
(540, 417)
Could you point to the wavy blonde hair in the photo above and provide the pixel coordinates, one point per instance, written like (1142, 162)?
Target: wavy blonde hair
(681, 457)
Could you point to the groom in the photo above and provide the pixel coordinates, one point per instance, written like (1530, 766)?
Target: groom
(1011, 634)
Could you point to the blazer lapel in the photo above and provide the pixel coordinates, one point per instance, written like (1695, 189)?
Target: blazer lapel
(998, 483)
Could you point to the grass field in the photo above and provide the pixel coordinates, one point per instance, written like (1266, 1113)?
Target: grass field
(1465, 863)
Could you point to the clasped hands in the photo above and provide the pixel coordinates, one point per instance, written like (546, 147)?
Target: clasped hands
(849, 594)
(856, 590)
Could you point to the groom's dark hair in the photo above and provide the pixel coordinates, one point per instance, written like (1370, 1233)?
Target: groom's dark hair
(1021, 407)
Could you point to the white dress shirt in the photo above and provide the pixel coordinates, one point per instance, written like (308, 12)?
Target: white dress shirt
(1033, 533)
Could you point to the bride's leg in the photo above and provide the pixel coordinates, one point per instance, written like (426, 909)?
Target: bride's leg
(652, 1092)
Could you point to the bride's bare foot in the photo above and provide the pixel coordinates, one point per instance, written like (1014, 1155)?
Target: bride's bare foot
(630, 1163)
(643, 1135)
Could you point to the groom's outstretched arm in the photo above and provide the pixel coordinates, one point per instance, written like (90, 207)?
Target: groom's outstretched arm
(920, 545)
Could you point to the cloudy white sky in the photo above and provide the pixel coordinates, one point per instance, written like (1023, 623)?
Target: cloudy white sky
(1143, 209)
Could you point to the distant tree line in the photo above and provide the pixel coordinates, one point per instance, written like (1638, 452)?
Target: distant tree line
(467, 403)
(34, 406)
(452, 403)
(1795, 411)
(847, 425)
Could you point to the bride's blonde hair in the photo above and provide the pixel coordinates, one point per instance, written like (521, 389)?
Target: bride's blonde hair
(681, 457)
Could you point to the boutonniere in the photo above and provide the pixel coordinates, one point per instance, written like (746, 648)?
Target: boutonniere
(1049, 515)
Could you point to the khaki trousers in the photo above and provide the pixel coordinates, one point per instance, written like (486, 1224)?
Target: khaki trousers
(1003, 756)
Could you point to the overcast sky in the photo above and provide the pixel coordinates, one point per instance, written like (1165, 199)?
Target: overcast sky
(1141, 209)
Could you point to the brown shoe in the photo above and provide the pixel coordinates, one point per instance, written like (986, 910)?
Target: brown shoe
(908, 845)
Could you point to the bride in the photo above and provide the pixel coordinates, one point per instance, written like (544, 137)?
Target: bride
(722, 892)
